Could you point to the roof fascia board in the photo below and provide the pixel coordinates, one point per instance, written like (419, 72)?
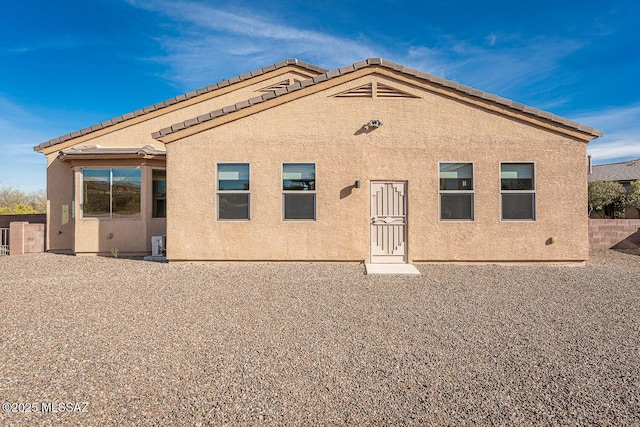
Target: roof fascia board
(177, 106)
(158, 161)
(398, 75)
(109, 156)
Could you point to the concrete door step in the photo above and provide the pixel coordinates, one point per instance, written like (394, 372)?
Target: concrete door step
(391, 269)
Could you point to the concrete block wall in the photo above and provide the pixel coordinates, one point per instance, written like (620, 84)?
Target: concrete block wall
(7, 219)
(25, 238)
(614, 233)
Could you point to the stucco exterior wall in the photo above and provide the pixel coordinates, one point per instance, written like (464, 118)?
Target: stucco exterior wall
(60, 215)
(416, 135)
(68, 232)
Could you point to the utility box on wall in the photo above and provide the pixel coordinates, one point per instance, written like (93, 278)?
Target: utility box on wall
(158, 245)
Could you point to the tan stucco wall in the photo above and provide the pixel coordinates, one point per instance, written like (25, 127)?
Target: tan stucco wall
(416, 135)
(69, 232)
(60, 223)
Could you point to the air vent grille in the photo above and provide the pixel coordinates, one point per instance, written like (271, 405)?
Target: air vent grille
(365, 91)
(279, 85)
(384, 91)
(374, 90)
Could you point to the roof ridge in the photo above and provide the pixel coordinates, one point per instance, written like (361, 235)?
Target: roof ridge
(617, 163)
(180, 98)
(628, 170)
(376, 61)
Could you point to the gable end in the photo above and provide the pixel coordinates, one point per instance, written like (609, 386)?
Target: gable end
(398, 72)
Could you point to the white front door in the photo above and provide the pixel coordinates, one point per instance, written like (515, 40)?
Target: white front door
(388, 222)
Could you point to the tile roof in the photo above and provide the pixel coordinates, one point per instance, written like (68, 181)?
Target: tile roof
(148, 150)
(622, 171)
(379, 62)
(180, 98)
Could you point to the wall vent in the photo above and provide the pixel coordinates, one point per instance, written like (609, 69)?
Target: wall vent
(384, 91)
(365, 91)
(374, 90)
(279, 85)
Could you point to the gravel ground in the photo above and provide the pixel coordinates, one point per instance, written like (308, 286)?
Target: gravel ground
(319, 344)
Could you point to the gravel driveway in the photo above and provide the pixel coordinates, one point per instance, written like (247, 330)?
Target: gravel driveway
(140, 343)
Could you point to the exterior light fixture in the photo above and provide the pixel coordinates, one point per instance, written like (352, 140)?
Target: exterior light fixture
(356, 184)
(373, 123)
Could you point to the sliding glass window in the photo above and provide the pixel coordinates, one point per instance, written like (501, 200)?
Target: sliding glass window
(111, 193)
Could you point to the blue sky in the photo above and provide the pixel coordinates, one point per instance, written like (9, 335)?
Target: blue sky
(68, 64)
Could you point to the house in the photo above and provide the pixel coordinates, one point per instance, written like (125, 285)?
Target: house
(624, 173)
(372, 162)
(106, 183)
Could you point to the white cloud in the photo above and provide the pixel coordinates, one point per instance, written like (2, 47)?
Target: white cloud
(209, 41)
(503, 68)
(20, 166)
(621, 126)
(21, 50)
(611, 152)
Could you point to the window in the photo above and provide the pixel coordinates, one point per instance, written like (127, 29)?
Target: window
(456, 191)
(111, 193)
(299, 191)
(233, 192)
(159, 193)
(517, 183)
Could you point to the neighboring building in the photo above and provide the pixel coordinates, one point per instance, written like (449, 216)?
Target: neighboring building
(373, 162)
(623, 172)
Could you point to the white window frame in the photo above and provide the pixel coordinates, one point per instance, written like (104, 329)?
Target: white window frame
(472, 192)
(314, 191)
(218, 192)
(532, 191)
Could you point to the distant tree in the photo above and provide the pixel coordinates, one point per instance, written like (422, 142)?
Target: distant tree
(18, 209)
(633, 198)
(13, 200)
(606, 193)
(38, 199)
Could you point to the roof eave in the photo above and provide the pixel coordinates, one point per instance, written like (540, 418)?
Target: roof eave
(575, 128)
(178, 99)
(106, 153)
